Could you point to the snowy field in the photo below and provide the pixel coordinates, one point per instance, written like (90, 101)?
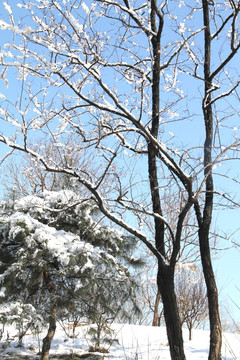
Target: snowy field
(135, 343)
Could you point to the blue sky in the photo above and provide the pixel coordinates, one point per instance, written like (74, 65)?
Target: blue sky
(226, 263)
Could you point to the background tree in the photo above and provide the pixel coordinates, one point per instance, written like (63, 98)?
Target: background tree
(191, 295)
(117, 75)
(26, 176)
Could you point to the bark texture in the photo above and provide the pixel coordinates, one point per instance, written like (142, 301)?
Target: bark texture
(165, 280)
(47, 341)
(50, 334)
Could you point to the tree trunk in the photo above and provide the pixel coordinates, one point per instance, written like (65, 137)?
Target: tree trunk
(190, 332)
(213, 308)
(52, 317)
(156, 306)
(50, 334)
(165, 280)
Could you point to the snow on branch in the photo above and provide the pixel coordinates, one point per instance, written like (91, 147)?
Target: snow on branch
(92, 189)
(227, 93)
(139, 20)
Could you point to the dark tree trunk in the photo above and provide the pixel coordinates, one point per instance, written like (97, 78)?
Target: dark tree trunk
(213, 306)
(204, 220)
(165, 280)
(165, 277)
(212, 293)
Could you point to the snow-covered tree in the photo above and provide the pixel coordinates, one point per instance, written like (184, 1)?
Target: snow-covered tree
(148, 88)
(56, 256)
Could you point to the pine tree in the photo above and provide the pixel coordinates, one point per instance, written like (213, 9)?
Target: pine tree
(58, 257)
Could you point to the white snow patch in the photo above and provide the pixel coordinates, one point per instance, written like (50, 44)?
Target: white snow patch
(135, 342)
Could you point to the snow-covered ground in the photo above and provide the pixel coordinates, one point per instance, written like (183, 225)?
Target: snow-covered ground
(135, 343)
